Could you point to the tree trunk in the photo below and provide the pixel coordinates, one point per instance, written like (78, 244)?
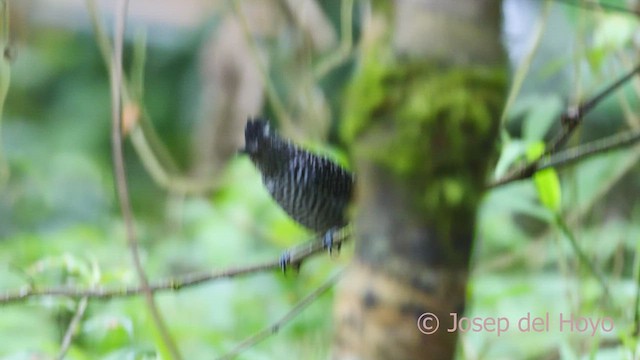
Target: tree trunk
(421, 118)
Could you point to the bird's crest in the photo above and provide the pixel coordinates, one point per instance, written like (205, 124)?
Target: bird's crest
(257, 128)
(257, 135)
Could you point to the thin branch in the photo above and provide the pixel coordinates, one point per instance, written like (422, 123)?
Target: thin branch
(287, 318)
(570, 119)
(587, 4)
(573, 117)
(345, 48)
(576, 154)
(271, 91)
(297, 257)
(525, 63)
(162, 177)
(73, 328)
(121, 176)
(582, 256)
(152, 152)
(595, 147)
(5, 80)
(578, 212)
(636, 304)
(101, 34)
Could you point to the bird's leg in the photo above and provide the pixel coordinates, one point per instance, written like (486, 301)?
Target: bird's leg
(327, 240)
(285, 261)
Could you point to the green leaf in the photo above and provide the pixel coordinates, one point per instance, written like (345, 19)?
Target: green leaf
(535, 150)
(615, 31)
(548, 187)
(511, 151)
(546, 181)
(541, 116)
(106, 331)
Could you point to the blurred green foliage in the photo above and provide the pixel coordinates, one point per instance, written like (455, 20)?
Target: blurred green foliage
(60, 224)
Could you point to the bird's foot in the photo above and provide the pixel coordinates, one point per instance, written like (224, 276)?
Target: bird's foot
(328, 243)
(286, 262)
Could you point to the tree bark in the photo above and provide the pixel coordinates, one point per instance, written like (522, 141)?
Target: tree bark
(421, 118)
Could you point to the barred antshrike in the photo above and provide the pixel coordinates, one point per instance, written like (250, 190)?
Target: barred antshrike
(312, 189)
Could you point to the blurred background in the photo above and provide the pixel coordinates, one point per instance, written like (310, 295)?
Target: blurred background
(195, 70)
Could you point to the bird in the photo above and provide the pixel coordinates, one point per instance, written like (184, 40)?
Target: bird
(312, 189)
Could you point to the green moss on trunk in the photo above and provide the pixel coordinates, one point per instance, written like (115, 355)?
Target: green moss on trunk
(432, 126)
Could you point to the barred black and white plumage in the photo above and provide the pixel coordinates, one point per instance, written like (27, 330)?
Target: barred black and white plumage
(311, 189)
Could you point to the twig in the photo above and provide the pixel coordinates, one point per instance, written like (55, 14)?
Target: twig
(525, 63)
(288, 317)
(72, 328)
(636, 304)
(121, 177)
(346, 43)
(174, 283)
(570, 119)
(161, 176)
(5, 79)
(582, 256)
(271, 92)
(577, 153)
(152, 152)
(576, 213)
(591, 148)
(599, 5)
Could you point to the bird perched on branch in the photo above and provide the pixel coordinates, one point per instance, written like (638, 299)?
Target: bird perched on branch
(312, 190)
